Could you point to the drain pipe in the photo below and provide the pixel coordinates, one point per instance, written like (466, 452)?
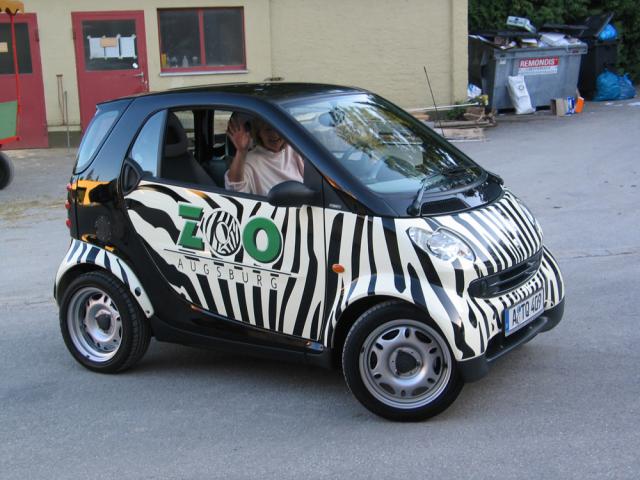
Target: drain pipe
(66, 118)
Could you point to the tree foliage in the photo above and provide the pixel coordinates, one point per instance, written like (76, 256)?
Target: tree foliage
(492, 14)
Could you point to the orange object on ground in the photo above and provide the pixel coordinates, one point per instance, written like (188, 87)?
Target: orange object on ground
(579, 104)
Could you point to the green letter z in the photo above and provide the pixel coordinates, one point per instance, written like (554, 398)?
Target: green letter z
(188, 237)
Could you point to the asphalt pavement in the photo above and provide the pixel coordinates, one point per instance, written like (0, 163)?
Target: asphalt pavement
(564, 406)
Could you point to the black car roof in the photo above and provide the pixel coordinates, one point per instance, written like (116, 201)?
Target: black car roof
(275, 92)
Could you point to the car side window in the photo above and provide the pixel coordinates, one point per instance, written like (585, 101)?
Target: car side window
(146, 149)
(185, 147)
(197, 146)
(98, 130)
(259, 156)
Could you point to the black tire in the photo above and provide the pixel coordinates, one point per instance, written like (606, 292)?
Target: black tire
(6, 171)
(129, 329)
(387, 320)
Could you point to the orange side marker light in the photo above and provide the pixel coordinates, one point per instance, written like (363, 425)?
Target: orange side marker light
(337, 268)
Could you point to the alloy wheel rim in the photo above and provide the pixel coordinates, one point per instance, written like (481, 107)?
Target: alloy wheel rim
(94, 324)
(405, 364)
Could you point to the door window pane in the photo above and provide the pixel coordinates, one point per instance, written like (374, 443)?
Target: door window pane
(223, 36)
(24, 52)
(146, 150)
(110, 44)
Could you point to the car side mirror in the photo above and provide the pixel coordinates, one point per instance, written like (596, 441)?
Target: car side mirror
(292, 194)
(131, 176)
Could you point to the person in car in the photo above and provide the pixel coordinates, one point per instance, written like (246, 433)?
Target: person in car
(270, 162)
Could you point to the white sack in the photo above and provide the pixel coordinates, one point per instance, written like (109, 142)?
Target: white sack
(519, 95)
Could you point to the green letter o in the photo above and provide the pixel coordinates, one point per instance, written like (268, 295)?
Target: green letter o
(274, 241)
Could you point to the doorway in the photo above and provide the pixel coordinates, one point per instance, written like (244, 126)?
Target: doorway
(111, 57)
(32, 120)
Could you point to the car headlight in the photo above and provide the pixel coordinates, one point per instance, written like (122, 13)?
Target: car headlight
(442, 243)
(530, 216)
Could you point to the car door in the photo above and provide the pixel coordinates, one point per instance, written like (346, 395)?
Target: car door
(232, 254)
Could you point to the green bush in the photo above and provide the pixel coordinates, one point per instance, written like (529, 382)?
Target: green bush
(491, 14)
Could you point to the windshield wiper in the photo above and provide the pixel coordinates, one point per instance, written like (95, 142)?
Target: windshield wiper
(416, 205)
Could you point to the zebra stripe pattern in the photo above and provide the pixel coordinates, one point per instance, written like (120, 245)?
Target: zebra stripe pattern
(381, 260)
(81, 252)
(295, 294)
(286, 295)
(222, 232)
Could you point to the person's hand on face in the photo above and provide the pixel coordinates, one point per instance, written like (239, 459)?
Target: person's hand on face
(271, 139)
(239, 136)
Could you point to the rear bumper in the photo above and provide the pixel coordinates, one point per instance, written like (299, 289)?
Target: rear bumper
(476, 368)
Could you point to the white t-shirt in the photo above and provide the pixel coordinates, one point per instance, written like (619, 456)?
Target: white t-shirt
(263, 169)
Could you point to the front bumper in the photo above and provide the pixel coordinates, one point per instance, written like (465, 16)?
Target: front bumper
(476, 368)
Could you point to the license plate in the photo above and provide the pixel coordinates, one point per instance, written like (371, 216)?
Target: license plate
(524, 312)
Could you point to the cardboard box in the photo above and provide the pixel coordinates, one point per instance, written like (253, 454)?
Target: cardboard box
(521, 22)
(563, 106)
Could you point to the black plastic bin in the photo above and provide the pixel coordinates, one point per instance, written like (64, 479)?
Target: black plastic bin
(602, 55)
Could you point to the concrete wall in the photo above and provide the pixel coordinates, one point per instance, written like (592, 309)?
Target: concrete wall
(375, 44)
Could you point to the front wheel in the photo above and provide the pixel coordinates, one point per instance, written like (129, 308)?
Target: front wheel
(399, 365)
(101, 324)
(6, 170)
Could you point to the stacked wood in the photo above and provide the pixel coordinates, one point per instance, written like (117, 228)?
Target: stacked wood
(462, 134)
(476, 119)
(422, 116)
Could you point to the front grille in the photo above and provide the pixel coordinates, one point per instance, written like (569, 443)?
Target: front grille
(502, 282)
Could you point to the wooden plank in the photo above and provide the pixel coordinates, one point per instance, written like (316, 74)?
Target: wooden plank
(466, 134)
(463, 123)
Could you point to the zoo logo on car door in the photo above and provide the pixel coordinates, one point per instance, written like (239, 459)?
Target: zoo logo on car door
(222, 232)
(237, 257)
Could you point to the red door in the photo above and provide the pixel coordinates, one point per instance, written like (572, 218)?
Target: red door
(111, 57)
(32, 121)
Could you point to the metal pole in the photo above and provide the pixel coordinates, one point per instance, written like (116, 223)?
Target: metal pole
(15, 68)
(61, 97)
(66, 116)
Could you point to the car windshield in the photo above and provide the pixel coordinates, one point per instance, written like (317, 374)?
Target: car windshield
(385, 148)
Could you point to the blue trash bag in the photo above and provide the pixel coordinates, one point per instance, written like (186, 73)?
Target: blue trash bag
(626, 88)
(608, 33)
(610, 86)
(607, 87)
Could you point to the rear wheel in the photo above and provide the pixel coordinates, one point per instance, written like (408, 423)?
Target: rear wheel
(399, 365)
(6, 170)
(101, 324)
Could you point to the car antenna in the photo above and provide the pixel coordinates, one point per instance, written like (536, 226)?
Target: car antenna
(433, 98)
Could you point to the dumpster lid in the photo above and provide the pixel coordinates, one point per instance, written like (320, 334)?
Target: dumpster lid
(509, 34)
(596, 23)
(590, 27)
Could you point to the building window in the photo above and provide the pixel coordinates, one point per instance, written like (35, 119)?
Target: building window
(201, 39)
